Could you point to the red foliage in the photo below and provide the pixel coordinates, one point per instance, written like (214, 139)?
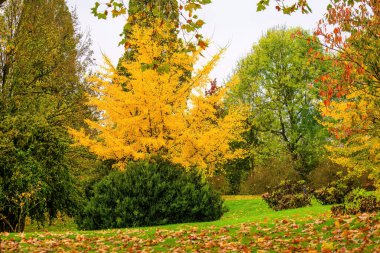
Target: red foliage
(344, 30)
(213, 88)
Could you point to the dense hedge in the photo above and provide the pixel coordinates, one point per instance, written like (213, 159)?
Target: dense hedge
(358, 201)
(150, 194)
(288, 194)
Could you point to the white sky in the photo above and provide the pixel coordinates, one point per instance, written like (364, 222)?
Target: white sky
(232, 23)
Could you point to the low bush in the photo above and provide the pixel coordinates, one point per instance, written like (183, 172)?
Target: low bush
(336, 191)
(358, 201)
(331, 195)
(147, 194)
(288, 194)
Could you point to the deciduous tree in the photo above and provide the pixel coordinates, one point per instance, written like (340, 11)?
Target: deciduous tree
(276, 82)
(41, 93)
(350, 32)
(156, 113)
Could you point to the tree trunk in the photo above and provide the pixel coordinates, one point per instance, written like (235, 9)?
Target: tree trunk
(13, 223)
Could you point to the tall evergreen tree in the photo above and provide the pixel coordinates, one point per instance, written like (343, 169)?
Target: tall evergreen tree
(145, 13)
(41, 94)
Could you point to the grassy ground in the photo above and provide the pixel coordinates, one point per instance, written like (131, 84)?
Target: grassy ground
(248, 226)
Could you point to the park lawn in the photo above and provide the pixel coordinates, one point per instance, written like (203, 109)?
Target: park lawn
(248, 226)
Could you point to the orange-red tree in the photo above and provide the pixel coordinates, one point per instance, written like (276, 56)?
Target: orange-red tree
(351, 31)
(154, 111)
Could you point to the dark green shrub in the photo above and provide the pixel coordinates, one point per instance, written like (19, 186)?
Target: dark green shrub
(236, 171)
(35, 178)
(336, 191)
(288, 194)
(149, 194)
(358, 201)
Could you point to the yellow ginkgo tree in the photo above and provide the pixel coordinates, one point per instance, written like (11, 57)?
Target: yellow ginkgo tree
(159, 109)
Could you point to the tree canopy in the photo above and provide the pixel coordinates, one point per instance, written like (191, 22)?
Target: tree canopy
(276, 82)
(41, 93)
(154, 112)
(294, 100)
(351, 92)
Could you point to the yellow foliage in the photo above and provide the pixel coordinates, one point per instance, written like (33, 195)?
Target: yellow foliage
(159, 109)
(353, 87)
(354, 121)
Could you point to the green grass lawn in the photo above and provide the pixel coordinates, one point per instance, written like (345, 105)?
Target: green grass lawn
(248, 226)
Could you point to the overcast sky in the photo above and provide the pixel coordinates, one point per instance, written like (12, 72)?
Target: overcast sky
(232, 23)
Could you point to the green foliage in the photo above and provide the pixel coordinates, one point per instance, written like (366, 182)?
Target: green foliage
(358, 201)
(241, 209)
(100, 170)
(144, 12)
(147, 194)
(34, 175)
(331, 195)
(235, 172)
(277, 83)
(41, 93)
(336, 191)
(288, 194)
